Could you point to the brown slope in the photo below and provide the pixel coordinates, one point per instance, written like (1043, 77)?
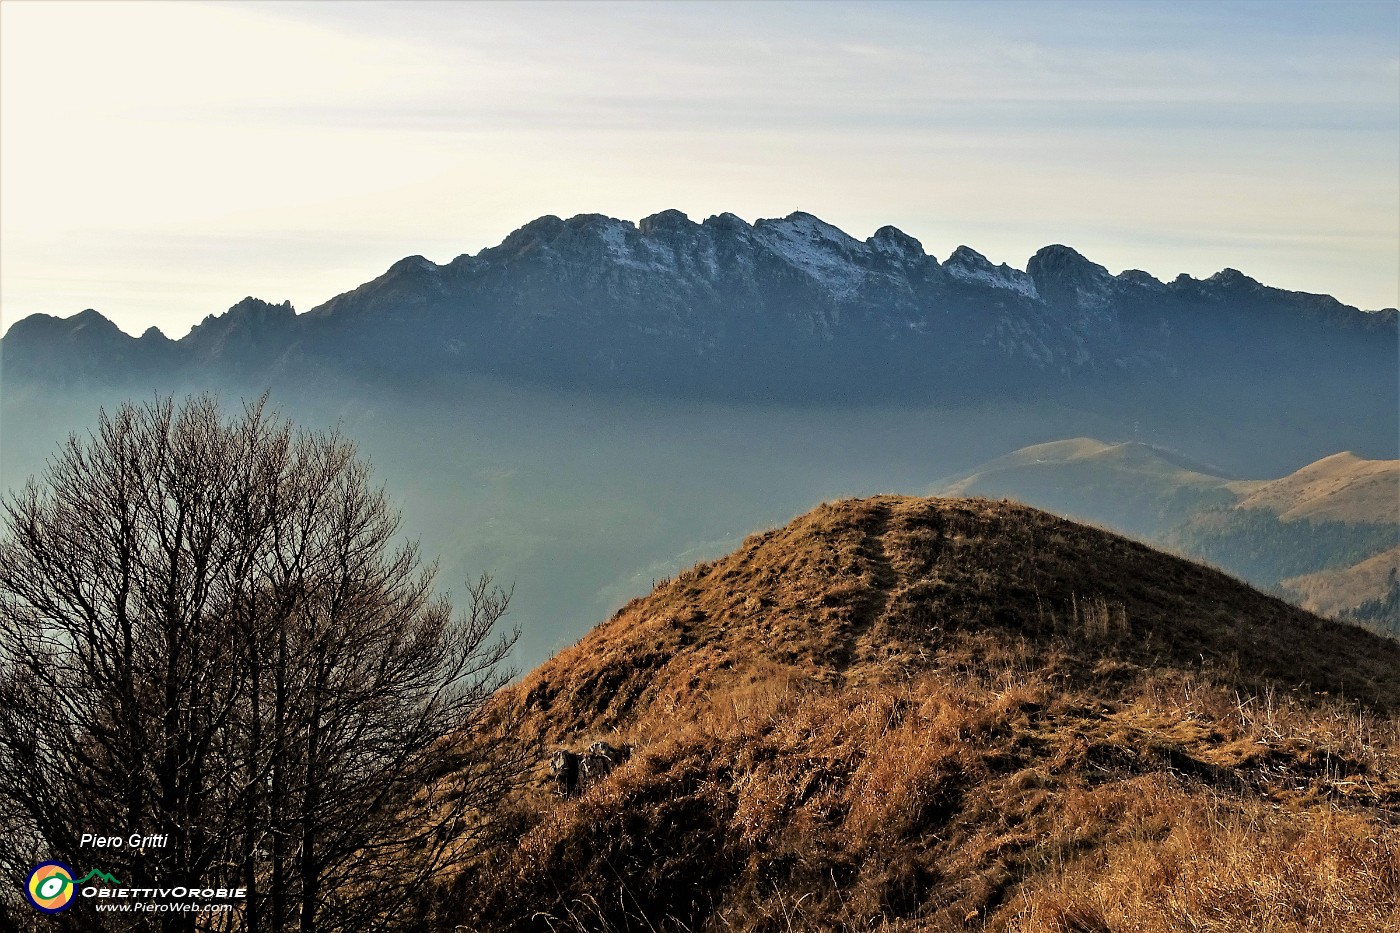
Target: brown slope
(940, 714)
(1331, 592)
(874, 589)
(1342, 488)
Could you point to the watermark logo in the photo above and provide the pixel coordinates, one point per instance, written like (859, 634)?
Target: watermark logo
(50, 887)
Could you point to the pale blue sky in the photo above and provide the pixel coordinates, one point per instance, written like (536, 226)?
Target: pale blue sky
(160, 161)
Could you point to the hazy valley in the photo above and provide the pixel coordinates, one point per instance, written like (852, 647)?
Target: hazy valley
(592, 405)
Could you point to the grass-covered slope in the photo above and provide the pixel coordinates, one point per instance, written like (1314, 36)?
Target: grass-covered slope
(1133, 487)
(1312, 536)
(1339, 488)
(945, 714)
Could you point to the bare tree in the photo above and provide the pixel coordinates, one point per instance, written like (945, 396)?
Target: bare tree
(209, 633)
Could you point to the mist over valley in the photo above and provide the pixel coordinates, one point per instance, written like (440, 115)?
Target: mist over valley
(593, 406)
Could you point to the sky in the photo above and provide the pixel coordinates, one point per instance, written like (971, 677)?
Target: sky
(160, 161)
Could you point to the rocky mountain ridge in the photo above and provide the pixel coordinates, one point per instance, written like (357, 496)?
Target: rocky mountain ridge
(791, 312)
(608, 301)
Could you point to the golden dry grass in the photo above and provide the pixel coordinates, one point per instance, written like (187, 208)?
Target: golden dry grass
(933, 715)
(1222, 866)
(1339, 488)
(1330, 592)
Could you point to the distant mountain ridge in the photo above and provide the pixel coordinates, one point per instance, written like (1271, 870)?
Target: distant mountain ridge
(1342, 487)
(1134, 487)
(790, 310)
(670, 285)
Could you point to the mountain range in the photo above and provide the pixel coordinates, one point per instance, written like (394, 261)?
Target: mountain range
(593, 404)
(785, 309)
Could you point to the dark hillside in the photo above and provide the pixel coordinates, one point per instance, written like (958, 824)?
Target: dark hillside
(936, 714)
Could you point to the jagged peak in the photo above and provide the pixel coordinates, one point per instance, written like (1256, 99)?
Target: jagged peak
(251, 305)
(543, 222)
(1064, 276)
(90, 318)
(1139, 277)
(546, 226)
(1231, 278)
(968, 265)
(892, 239)
(818, 249)
(809, 226)
(249, 309)
(726, 222)
(413, 263)
(618, 237)
(967, 256)
(1059, 255)
(670, 219)
(598, 220)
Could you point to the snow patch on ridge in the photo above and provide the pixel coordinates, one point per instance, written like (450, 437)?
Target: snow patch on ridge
(614, 234)
(622, 242)
(817, 248)
(968, 265)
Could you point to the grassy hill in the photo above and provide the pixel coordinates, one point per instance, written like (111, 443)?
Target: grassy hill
(946, 714)
(1313, 536)
(1332, 592)
(1339, 488)
(1139, 489)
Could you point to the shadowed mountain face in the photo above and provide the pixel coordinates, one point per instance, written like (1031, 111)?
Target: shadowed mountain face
(935, 714)
(791, 310)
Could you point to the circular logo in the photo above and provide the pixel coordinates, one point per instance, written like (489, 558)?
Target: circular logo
(50, 887)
